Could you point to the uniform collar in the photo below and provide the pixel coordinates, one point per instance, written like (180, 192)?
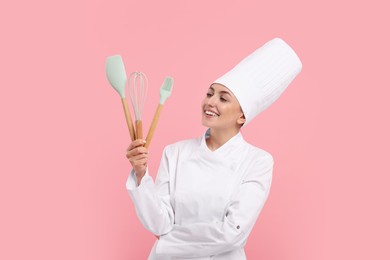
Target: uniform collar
(227, 148)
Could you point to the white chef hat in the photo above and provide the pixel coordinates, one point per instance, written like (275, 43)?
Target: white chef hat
(260, 78)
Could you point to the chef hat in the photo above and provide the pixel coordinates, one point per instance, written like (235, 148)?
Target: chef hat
(259, 79)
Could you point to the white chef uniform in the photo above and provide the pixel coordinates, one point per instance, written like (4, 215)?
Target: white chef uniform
(204, 203)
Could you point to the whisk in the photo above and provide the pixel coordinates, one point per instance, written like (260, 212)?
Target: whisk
(138, 89)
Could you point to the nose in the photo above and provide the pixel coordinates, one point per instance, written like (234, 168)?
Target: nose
(211, 101)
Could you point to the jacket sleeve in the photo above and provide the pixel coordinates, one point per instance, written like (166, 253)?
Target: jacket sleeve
(152, 200)
(207, 239)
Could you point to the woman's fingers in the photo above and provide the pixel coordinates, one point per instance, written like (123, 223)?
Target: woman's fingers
(138, 157)
(136, 143)
(140, 162)
(136, 150)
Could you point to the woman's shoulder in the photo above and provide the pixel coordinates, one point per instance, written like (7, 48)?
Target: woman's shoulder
(257, 153)
(260, 163)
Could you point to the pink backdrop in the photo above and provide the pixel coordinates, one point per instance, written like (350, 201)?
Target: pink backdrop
(63, 132)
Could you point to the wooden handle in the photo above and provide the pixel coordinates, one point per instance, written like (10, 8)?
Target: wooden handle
(153, 126)
(129, 120)
(138, 125)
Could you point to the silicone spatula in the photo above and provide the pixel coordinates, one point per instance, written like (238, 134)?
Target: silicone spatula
(116, 75)
(165, 92)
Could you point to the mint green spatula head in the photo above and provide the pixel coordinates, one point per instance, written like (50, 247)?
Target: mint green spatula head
(116, 74)
(166, 89)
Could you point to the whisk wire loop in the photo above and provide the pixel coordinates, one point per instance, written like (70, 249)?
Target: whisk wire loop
(138, 89)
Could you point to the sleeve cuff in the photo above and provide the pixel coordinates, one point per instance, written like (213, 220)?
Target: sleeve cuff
(131, 182)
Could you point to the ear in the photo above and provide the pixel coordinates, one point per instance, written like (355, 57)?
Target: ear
(241, 120)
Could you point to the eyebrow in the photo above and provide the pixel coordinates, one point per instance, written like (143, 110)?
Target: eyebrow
(222, 91)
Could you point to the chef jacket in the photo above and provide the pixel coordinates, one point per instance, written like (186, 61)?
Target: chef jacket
(204, 203)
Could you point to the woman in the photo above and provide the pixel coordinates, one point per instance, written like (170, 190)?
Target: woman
(210, 190)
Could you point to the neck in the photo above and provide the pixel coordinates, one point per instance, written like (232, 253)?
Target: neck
(219, 137)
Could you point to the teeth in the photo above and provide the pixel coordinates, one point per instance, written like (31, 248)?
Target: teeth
(211, 113)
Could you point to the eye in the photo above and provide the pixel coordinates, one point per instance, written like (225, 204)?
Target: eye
(222, 99)
(209, 94)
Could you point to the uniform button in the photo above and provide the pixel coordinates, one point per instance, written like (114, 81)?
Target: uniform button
(238, 227)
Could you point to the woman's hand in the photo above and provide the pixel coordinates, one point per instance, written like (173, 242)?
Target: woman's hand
(138, 157)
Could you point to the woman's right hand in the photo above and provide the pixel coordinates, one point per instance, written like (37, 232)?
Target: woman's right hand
(138, 157)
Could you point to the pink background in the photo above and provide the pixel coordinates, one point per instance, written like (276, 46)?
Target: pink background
(64, 137)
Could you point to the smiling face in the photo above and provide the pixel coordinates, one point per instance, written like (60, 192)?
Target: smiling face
(220, 109)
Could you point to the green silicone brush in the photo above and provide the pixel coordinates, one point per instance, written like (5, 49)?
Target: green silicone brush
(165, 92)
(116, 75)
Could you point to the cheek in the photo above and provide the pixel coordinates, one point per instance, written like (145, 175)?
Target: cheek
(232, 111)
(202, 104)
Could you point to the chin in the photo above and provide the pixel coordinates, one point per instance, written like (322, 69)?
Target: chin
(206, 123)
